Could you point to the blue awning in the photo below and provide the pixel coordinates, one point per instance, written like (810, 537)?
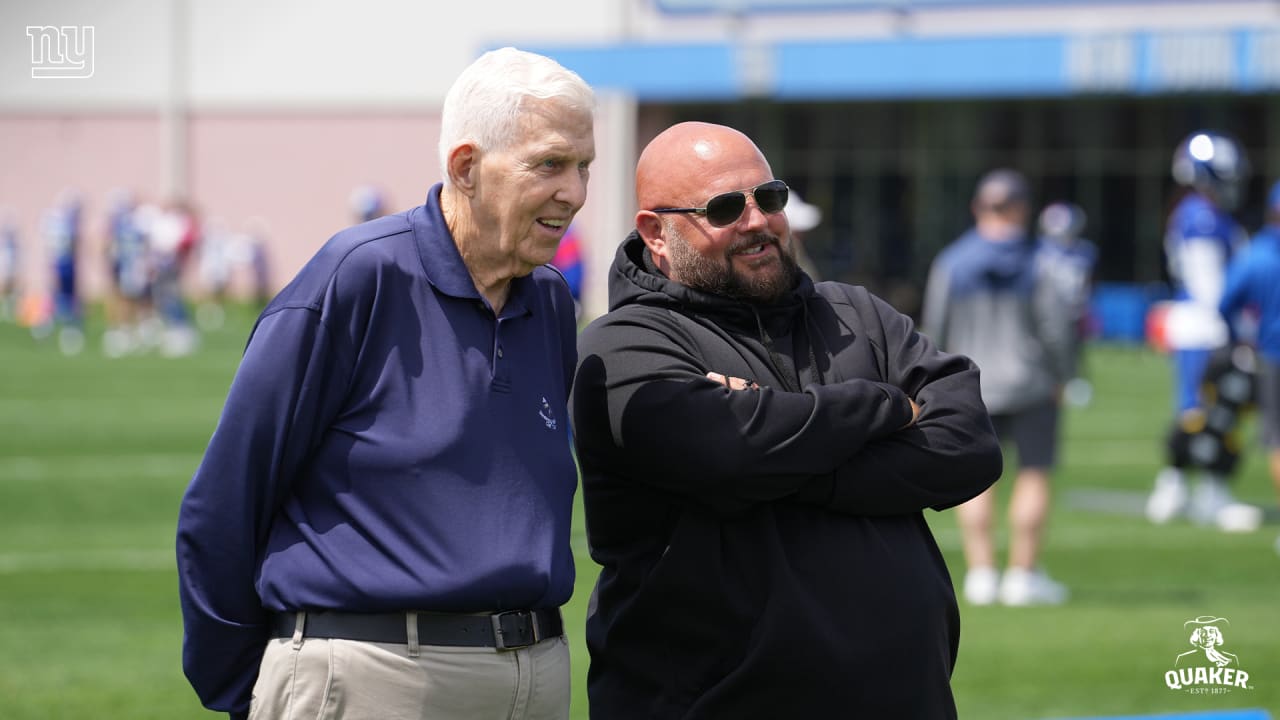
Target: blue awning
(760, 7)
(1141, 63)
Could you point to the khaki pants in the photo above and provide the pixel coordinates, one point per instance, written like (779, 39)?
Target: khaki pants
(314, 678)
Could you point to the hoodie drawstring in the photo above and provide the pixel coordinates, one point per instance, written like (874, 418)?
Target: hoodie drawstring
(812, 337)
(774, 361)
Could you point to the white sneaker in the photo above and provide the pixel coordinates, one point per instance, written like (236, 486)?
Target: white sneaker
(1238, 517)
(1031, 587)
(981, 585)
(1169, 498)
(70, 341)
(1210, 497)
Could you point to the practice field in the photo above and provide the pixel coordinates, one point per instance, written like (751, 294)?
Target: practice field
(95, 454)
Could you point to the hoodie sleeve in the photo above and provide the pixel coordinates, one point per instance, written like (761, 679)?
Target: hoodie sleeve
(643, 408)
(948, 456)
(288, 384)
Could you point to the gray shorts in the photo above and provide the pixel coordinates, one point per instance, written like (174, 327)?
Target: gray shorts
(1033, 431)
(1269, 403)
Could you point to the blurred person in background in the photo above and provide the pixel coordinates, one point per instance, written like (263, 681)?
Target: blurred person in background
(1200, 238)
(366, 203)
(1253, 282)
(128, 302)
(568, 261)
(174, 234)
(1068, 260)
(61, 227)
(10, 257)
(380, 526)
(214, 264)
(986, 298)
(255, 255)
(803, 217)
(757, 453)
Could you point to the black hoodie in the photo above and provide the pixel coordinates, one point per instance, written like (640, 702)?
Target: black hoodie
(764, 552)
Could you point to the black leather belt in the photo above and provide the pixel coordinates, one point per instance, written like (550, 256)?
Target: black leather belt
(504, 631)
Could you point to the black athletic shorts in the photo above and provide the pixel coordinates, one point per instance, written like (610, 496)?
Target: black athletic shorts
(1033, 432)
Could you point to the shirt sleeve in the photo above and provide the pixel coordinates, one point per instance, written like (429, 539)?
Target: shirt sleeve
(289, 385)
(644, 408)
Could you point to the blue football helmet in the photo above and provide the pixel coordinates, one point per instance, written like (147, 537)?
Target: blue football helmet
(1212, 163)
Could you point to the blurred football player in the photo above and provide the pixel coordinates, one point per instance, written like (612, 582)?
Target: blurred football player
(1200, 239)
(9, 264)
(61, 229)
(1252, 282)
(1067, 259)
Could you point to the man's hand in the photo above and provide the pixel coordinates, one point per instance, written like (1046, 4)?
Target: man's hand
(734, 383)
(915, 414)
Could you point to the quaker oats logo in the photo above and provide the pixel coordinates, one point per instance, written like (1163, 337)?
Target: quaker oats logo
(547, 415)
(1207, 668)
(61, 52)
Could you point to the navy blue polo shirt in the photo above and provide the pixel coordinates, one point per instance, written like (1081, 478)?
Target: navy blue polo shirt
(388, 444)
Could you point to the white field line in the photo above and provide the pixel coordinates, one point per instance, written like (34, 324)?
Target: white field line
(121, 560)
(1111, 453)
(35, 468)
(1060, 537)
(1113, 540)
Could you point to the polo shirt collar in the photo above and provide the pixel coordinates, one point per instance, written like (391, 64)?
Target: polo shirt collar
(443, 263)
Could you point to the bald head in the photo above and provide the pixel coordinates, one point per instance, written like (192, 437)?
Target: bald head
(681, 166)
(749, 257)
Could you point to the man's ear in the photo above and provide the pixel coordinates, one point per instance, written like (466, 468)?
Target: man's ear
(649, 225)
(463, 167)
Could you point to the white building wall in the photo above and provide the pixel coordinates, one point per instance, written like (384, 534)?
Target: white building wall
(188, 76)
(274, 53)
(266, 112)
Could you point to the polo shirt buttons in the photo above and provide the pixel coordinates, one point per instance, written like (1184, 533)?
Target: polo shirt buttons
(499, 351)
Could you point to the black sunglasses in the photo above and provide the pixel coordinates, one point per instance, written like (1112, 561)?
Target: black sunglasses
(725, 209)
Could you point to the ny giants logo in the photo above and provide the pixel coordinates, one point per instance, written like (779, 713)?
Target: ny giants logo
(61, 53)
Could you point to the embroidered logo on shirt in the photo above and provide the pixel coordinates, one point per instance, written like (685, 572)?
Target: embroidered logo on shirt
(547, 415)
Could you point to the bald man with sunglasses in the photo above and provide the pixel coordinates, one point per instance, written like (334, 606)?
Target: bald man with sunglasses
(757, 452)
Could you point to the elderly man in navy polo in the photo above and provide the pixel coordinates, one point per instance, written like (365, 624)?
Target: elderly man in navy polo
(380, 524)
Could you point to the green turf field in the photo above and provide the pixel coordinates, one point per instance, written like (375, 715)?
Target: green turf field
(95, 454)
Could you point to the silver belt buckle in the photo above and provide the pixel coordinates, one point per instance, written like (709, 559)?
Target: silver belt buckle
(499, 638)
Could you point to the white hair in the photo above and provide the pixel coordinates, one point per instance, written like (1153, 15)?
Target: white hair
(484, 105)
